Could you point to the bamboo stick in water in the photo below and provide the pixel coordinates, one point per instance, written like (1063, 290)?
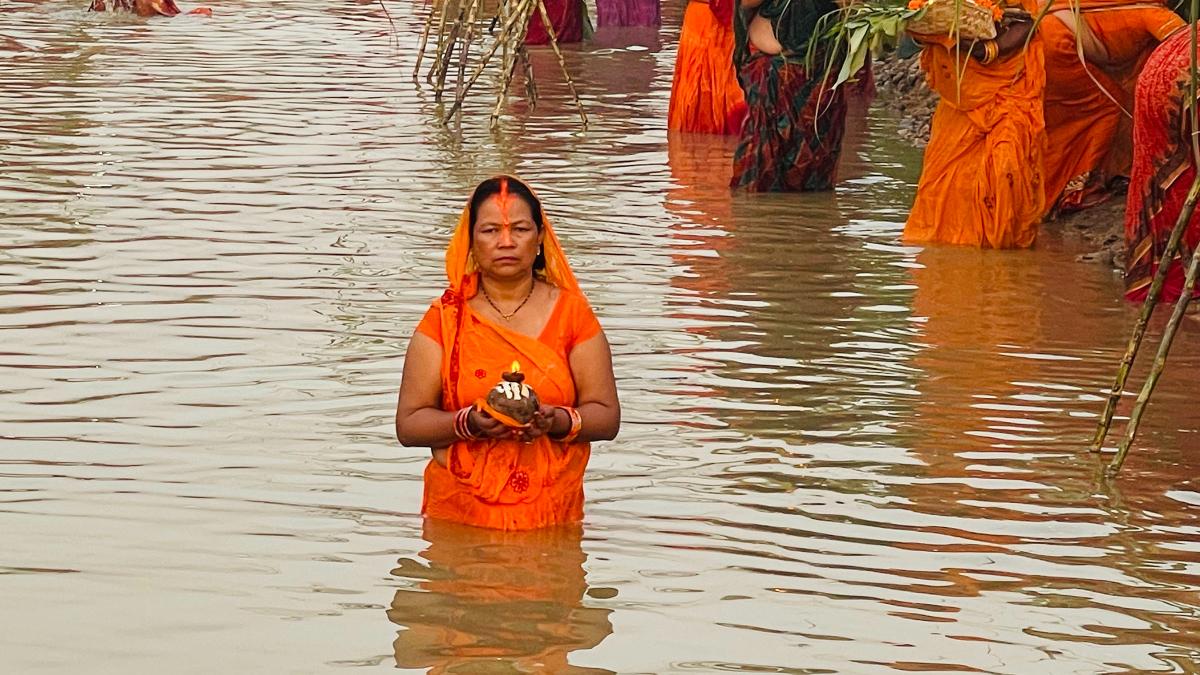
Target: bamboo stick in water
(1148, 305)
(1160, 362)
(562, 63)
(441, 41)
(463, 32)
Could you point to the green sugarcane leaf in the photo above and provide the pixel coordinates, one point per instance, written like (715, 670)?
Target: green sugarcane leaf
(856, 54)
(867, 27)
(890, 26)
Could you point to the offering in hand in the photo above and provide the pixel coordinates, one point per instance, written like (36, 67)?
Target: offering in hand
(511, 401)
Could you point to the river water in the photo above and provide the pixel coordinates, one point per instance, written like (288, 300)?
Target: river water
(839, 454)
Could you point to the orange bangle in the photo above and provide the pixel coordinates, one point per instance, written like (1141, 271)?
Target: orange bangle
(576, 424)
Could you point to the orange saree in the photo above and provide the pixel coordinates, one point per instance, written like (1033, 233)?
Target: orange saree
(504, 483)
(1088, 142)
(981, 184)
(705, 95)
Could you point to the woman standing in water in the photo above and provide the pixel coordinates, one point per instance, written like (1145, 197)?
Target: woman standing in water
(566, 18)
(627, 13)
(512, 297)
(1087, 143)
(981, 184)
(792, 138)
(705, 95)
(1163, 169)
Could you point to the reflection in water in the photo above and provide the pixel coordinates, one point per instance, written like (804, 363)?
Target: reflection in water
(815, 330)
(1010, 380)
(839, 453)
(975, 349)
(511, 601)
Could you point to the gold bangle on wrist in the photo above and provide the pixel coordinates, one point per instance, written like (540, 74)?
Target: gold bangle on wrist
(991, 51)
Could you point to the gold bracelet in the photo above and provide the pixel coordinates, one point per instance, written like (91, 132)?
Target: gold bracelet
(991, 51)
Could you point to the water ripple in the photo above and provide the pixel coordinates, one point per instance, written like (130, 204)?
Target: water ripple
(219, 235)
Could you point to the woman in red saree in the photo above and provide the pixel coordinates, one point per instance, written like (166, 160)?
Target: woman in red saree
(1163, 169)
(512, 297)
(566, 18)
(791, 140)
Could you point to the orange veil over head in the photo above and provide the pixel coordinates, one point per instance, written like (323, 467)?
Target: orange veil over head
(460, 267)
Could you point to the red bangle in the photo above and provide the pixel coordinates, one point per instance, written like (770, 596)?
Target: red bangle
(462, 426)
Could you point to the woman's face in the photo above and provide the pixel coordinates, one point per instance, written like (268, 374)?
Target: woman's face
(506, 238)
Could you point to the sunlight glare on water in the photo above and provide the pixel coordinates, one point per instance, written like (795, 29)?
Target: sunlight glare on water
(839, 454)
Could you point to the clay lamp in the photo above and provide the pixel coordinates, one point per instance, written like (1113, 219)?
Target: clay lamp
(511, 401)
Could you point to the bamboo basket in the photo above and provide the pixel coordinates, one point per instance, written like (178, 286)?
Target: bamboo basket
(948, 17)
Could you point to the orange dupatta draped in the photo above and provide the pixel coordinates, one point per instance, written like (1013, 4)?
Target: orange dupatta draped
(505, 483)
(1088, 136)
(981, 184)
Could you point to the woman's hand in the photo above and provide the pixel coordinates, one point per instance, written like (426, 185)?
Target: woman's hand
(484, 425)
(543, 423)
(1010, 38)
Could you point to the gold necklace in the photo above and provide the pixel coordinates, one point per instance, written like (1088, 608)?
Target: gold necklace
(510, 315)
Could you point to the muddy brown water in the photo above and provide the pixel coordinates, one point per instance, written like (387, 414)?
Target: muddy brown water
(840, 454)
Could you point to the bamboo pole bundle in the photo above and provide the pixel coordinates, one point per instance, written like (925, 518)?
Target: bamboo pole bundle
(457, 29)
(1139, 328)
(1160, 362)
(1192, 107)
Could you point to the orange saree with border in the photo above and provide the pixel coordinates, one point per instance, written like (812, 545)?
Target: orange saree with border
(504, 483)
